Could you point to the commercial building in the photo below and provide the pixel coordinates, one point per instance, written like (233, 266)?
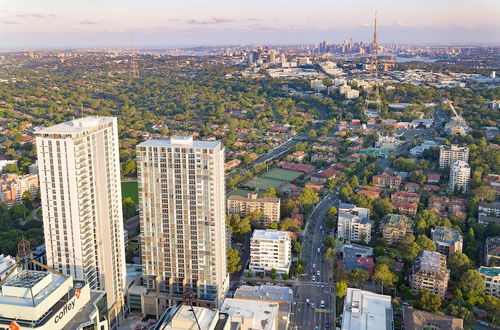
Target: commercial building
(459, 176)
(79, 169)
(270, 249)
(182, 220)
(414, 319)
(365, 310)
(430, 272)
(46, 300)
(252, 315)
(13, 186)
(353, 223)
(179, 317)
(395, 227)
(447, 240)
(450, 154)
(268, 207)
(491, 278)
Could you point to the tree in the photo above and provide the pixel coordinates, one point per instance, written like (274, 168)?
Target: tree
(128, 207)
(270, 192)
(458, 263)
(273, 273)
(329, 242)
(239, 225)
(359, 277)
(354, 182)
(472, 286)
(460, 312)
(340, 289)
(12, 168)
(383, 276)
(233, 260)
(28, 199)
(425, 243)
(382, 207)
(296, 247)
(483, 193)
(492, 306)
(329, 254)
(130, 168)
(428, 301)
(308, 196)
(331, 217)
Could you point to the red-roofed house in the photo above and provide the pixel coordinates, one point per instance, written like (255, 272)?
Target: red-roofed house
(433, 177)
(387, 179)
(316, 186)
(405, 208)
(369, 193)
(297, 167)
(430, 188)
(325, 175)
(298, 218)
(412, 187)
(406, 197)
(366, 264)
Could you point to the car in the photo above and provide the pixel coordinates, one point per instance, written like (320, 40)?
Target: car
(322, 304)
(313, 305)
(327, 324)
(484, 323)
(314, 265)
(314, 278)
(319, 250)
(322, 285)
(317, 273)
(318, 285)
(316, 328)
(308, 301)
(320, 227)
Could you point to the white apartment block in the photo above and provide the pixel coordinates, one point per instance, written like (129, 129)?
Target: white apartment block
(79, 170)
(491, 278)
(182, 218)
(365, 310)
(450, 154)
(459, 176)
(353, 223)
(270, 249)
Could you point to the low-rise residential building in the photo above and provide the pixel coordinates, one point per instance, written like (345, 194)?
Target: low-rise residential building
(365, 310)
(231, 164)
(357, 257)
(13, 186)
(270, 249)
(493, 181)
(405, 208)
(353, 223)
(185, 317)
(269, 207)
(412, 187)
(488, 213)
(387, 142)
(387, 179)
(447, 240)
(414, 319)
(492, 250)
(430, 272)
(395, 227)
(406, 197)
(491, 279)
(369, 193)
(418, 150)
(252, 315)
(325, 175)
(459, 176)
(448, 207)
(433, 177)
(450, 154)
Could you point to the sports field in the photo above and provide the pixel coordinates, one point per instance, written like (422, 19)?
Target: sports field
(273, 178)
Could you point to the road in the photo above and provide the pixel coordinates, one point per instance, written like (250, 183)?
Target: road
(311, 285)
(281, 149)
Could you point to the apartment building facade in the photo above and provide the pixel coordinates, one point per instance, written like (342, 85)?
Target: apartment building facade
(491, 278)
(395, 227)
(79, 170)
(450, 154)
(270, 249)
(459, 176)
(13, 186)
(353, 223)
(430, 272)
(447, 240)
(268, 207)
(182, 219)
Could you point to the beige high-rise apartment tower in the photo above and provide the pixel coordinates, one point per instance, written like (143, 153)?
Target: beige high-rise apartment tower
(182, 216)
(79, 171)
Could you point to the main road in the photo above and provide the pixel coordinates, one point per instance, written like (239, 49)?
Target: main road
(315, 285)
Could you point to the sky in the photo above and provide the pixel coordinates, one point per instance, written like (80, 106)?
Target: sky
(173, 23)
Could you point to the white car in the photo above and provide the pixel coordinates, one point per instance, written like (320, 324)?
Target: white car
(317, 273)
(314, 278)
(307, 301)
(314, 265)
(318, 285)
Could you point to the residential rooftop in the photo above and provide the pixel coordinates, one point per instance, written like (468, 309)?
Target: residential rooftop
(76, 126)
(489, 271)
(365, 310)
(180, 141)
(271, 234)
(445, 235)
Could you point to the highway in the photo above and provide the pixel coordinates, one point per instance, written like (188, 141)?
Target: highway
(305, 315)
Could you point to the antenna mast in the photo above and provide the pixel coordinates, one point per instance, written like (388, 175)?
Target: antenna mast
(373, 66)
(134, 70)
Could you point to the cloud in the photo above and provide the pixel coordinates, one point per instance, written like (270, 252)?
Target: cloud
(36, 15)
(10, 22)
(214, 20)
(88, 21)
(253, 19)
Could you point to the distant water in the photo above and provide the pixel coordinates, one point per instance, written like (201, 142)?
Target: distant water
(399, 59)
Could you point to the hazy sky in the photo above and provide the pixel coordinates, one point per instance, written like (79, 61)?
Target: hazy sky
(155, 23)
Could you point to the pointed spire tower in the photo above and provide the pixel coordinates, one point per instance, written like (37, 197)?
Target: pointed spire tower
(373, 104)
(134, 70)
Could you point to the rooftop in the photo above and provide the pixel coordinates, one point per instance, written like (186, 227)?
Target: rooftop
(180, 141)
(414, 319)
(445, 235)
(366, 310)
(263, 314)
(271, 234)
(75, 126)
(489, 271)
(265, 292)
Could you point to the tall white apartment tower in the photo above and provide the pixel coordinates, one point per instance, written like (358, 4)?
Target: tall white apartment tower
(459, 176)
(80, 189)
(182, 216)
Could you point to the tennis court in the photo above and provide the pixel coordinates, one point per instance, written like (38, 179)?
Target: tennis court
(273, 178)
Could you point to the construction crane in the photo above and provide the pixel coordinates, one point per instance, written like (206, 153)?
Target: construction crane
(450, 103)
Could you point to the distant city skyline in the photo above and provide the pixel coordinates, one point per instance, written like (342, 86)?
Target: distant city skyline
(56, 24)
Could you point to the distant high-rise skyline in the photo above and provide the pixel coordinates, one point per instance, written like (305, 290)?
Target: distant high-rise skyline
(31, 23)
(79, 171)
(182, 221)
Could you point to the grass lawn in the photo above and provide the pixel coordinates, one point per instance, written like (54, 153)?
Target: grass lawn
(281, 174)
(129, 189)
